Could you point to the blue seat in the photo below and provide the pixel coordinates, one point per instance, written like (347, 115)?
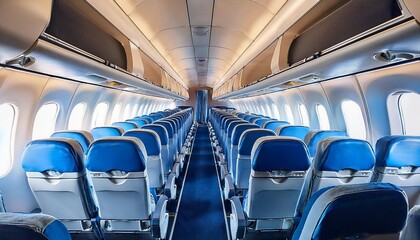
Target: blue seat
(166, 148)
(358, 211)
(84, 138)
(125, 125)
(151, 142)
(313, 138)
(56, 173)
(274, 124)
(278, 169)
(236, 135)
(228, 137)
(33, 226)
(412, 229)
(117, 166)
(338, 161)
(293, 131)
(106, 131)
(398, 162)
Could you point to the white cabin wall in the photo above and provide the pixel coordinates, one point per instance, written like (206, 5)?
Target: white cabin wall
(294, 97)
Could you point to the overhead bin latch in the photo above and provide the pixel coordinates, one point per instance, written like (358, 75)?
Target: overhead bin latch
(394, 56)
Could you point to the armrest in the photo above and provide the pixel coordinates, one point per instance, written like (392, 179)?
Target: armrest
(229, 189)
(170, 186)
(221, 158)
(160, 218)
(237, 219)
(176, 169)
(180, 160)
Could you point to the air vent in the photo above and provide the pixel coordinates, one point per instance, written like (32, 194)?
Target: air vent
(201, 60)
(200, 30)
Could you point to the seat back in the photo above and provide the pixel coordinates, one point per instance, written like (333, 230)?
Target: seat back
(84, 138)
(360, 211)
(313, 138)
(279, 166)
(106, 131)
(167, 150)
(398, 162)
(117, 166)
(125, 125)
(261, 121)
(274, 124)
(57, 177)
(243, 163)
(138, 121)
(228, 137)
(236, 134)
(34, 226)
(151, 142)
(412, 229)
(293, 131)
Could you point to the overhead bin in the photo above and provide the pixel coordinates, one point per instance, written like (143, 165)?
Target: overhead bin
(70, 39)
(334, 39)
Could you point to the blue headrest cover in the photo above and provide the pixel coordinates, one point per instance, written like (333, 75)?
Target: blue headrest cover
(84, 138)
(149, 138)
(116, 153)
(99, 132)
(57, 154)
(138, 121)
(167, 125)
(232, 126)
(273, 125)
(239, 129)
(398, 151)
(160, 130)
(228, 121)
(337, 153)
(279, 153)
(293, 131)
(260, 122)
(247, 117)
(357, 210)
(249, 137)
(313, 138)
(125, 125)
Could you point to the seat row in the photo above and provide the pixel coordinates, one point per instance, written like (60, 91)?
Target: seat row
(262, 169)
(112, 183)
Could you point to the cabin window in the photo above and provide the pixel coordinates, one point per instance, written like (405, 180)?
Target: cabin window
(44, 124)
(172, 105)
(99, 115)
(127, 111)
(134, 111)
(8, 119)
(76, 117)
(115, 117)
(409, 114)
(321, 112)
(289, 114)
(304, 118)
(275, 111)
(353, 117)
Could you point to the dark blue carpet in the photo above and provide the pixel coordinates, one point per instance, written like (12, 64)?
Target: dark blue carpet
(200, 213)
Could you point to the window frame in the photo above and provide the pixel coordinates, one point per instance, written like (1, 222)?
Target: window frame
(11, 143)
(71, 118)
(321, 116)
(346, 119)
(35, 124)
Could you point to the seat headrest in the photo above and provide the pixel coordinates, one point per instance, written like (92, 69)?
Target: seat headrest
(106, 131)
(160, 130)
(55, 154)
(293, 131)
(339, 153)
(353, 210)
(315, 136)
(261, 121)
(239, 129)
(138, 121)
(168, 126)
(32, 226)
(116, 153)
(125, 125)
(84, 138)
(228, 121)
(149, 138)
(279, 153)
(398, 151)
(249, 137)
(232, 126)
(274, 124)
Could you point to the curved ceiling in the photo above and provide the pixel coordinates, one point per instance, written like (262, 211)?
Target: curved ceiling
(201, 40)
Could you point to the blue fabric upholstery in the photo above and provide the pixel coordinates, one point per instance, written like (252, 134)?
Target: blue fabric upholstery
(138, 121)
(160, 130)
(353, 210)
(116, 153)
(56, 154)
(232, 126)
(239, 129)
(107, 131)
(147, 120)
(250, 137)
(31, 226)
(313, 138)
(273, 125)
(412, 228)
(84, 138)
(149, 138)
(167, 126)
(279, 153)
(260, 121)
(125, 125)
(337, 153)
(293, 131)
(247, 117)
(398, 151)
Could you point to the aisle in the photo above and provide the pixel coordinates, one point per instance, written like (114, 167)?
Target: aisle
(201, 213)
